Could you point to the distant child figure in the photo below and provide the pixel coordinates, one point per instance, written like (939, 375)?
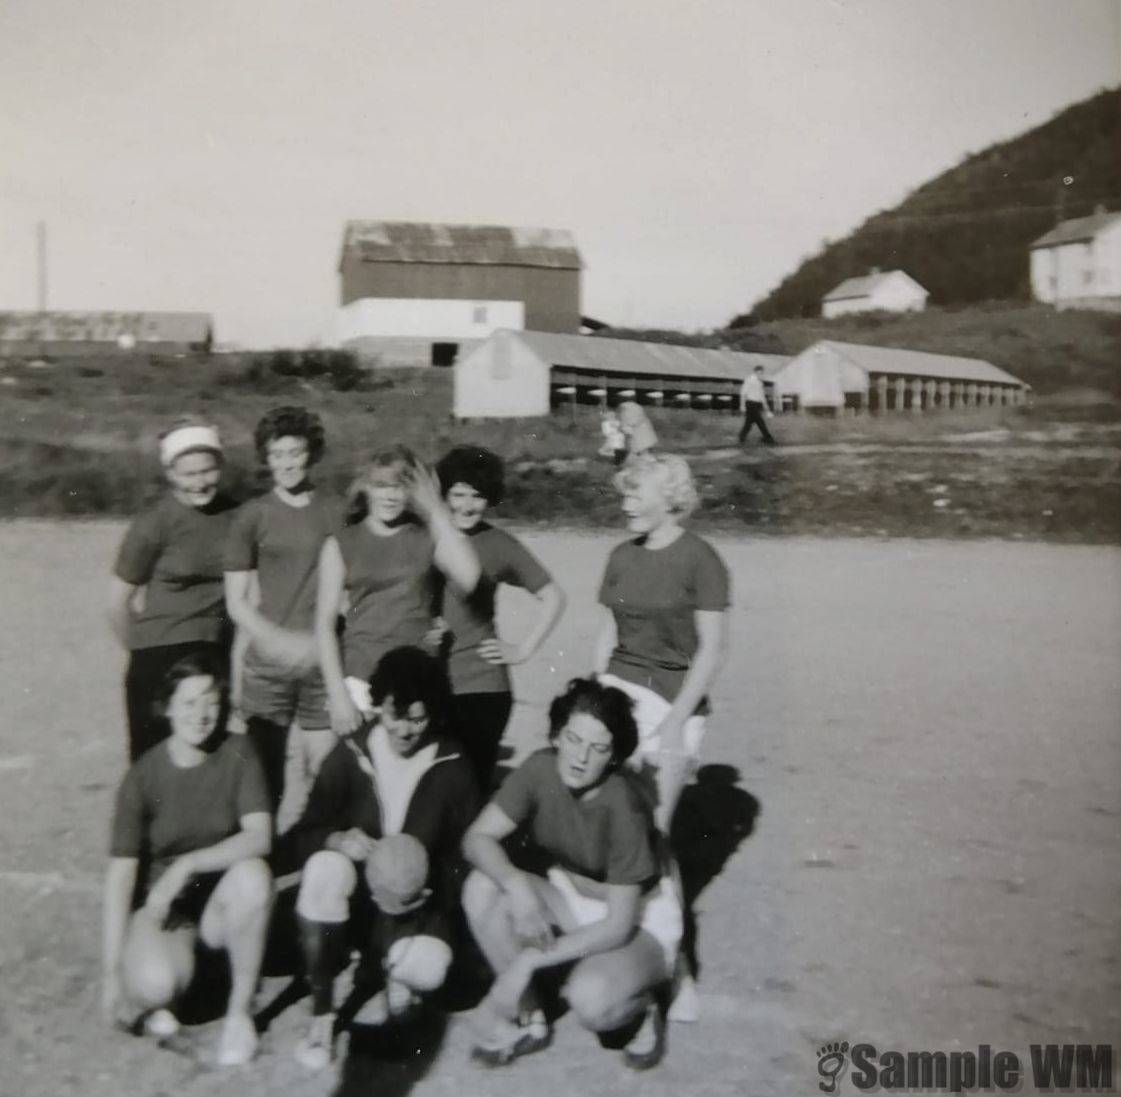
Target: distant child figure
(614, 440)
(637, 428)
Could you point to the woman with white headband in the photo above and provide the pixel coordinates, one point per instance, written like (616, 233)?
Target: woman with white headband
(166, 595)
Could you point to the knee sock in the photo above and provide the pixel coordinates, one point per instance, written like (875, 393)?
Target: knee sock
(325, 952)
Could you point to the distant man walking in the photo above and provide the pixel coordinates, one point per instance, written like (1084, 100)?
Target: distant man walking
(753, 404)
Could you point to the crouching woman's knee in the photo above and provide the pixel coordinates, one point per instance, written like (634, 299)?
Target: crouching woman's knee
(156, 966)
(480, 894)
(248, 887)
(593, 997)
(326, 885)
(420, 962)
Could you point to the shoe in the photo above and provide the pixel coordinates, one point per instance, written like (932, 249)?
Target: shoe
(503, 1041)
(686, 1005)
(316, 1050)
(239, 1040)
(401, 1000)
(161, 1024)
(647, 1047)
(374, 1011)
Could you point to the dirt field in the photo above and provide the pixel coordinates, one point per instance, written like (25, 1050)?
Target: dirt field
(929, 740)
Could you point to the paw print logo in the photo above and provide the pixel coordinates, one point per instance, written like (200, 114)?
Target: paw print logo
(831, 1062)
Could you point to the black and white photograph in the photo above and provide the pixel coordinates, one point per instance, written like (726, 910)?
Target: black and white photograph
(558, 548)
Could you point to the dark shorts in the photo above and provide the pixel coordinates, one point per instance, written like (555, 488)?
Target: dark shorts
(189, 904)
(282, 697)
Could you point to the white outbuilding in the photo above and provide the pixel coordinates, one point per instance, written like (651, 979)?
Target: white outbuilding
(527, 373)
(831, 376)
(1078, 263)
(889, 291)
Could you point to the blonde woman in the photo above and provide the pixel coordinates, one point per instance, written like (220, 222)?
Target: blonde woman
(381, 565)
(664, 633)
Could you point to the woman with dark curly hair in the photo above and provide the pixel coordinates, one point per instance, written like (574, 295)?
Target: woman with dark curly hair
(604, 905)
(165, 596)
(471, 481)
(272, 563)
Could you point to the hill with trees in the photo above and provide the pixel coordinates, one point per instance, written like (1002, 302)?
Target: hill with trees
(965, 234)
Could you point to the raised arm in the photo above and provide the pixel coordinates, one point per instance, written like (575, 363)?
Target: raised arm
(454, 554)
(345, 718)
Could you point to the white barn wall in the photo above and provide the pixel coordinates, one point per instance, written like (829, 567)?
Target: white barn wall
(437, 320)
(1078, 270)
(895, 293)
(501, 379)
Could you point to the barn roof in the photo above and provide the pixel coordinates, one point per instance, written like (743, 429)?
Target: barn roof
(864, 286)
(632, 358)
(104, 327)
(893, 361)
(1076, 230)
(490, 245)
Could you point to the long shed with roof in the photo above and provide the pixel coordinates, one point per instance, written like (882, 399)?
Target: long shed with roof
(46, 334)
(526, 373)
(453, 284)
(832, 376)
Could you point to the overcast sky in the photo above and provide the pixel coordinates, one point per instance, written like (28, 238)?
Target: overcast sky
(205, 156)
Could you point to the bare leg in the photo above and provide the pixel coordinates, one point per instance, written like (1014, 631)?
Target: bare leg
(611, 989)
(236, 919)
(157, 965)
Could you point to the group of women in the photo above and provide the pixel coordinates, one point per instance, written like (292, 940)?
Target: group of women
(357, 638)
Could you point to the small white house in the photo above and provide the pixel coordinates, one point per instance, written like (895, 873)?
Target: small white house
(1078, 263)
(891, 291)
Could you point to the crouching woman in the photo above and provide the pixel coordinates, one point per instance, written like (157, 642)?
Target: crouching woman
(196, 809)
(604, 908)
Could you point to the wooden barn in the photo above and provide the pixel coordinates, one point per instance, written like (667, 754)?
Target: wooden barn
(527, 373)
(63, 334)
(832, 377)
(421, 293)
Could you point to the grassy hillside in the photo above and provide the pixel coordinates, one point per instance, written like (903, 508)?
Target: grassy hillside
(1055, 352)
(965, 234)
(80, 439)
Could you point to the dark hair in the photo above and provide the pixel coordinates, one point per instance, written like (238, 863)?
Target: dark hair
(408, 674)
(394, 456)
(200, 664)
(610, 706)
(291, 422)
(476, 467)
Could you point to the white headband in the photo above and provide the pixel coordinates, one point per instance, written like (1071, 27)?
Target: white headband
(183, 439)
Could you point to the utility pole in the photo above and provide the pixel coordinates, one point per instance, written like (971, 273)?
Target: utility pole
(41, 241)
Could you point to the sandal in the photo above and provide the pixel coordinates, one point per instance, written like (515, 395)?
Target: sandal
(505, 1041)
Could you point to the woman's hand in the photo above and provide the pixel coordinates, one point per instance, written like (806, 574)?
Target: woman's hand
(424, 490)
(500, 653)
(345, 717)
(167, 889)
(531, 919)
(434, 637)
(508, 989)
(354, 843)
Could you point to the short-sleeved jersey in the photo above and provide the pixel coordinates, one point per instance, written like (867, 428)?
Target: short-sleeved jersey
(389, 585)
(470, 617)
(653, 594)
(281, 543)
(606, 837)
(174, 551)
(165, 810)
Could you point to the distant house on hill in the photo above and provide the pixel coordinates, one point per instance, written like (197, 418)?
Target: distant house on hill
(61, 334)
(831, 376)
(890, 290)
(1078, 263)
(419, 293)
